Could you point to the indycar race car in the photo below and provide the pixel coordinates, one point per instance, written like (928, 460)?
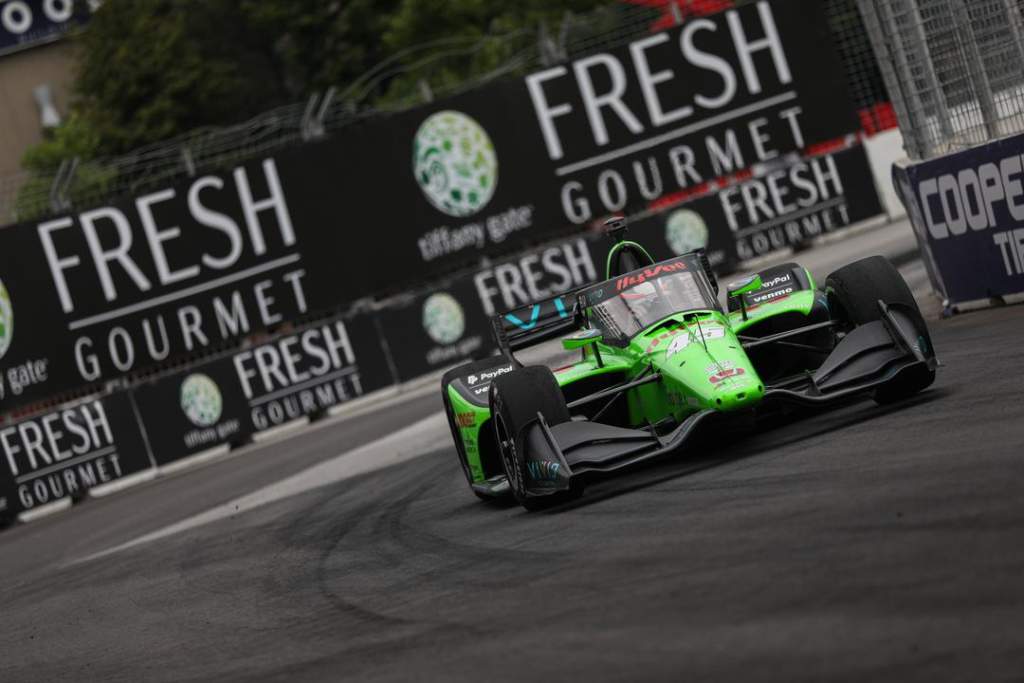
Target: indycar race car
(659, 357)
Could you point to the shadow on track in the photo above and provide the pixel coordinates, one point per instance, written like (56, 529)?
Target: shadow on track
(751, 442)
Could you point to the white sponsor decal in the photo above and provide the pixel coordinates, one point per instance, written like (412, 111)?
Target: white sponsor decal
(299, 374)
(136, 262)
(786, 207)
(771, 296)
(488, 375)
(710, 331)
(775, 282)
(61, 454)
(677, 128)
(535, 276)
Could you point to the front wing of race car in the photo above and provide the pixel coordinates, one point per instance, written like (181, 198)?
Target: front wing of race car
(870, 357)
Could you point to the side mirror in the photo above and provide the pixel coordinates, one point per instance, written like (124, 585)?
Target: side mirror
(581, 339)
(744, 286)
(740, 287)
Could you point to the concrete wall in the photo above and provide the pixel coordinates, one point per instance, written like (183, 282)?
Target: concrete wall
(883, 151)
(20, 73)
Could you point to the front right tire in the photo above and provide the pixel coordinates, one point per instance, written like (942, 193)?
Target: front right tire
(853, 294)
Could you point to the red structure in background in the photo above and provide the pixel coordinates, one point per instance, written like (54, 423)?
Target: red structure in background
(686, 8)
(877, 118)
(874, 119)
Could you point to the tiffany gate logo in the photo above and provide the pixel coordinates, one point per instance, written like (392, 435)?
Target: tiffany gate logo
(455, 164)
(6, 320)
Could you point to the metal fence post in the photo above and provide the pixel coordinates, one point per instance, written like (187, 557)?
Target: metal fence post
(976, 67)
(894, 63)
(677, 13)
(919, 40)
(1013, 15)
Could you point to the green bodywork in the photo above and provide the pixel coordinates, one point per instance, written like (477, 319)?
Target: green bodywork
(470, 419)
(697, 353)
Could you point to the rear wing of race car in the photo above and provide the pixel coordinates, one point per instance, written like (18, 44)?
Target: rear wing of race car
(529, 325)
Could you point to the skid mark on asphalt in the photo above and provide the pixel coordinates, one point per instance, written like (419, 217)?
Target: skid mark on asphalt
(392, 449)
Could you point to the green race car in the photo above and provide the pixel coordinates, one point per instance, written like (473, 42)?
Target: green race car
(659, 357)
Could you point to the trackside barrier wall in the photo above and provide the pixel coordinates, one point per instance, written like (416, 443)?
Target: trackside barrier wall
(227, 399)
(393, 202)
(731, 162)
(223, 401)
(64, 453)
(966, 209)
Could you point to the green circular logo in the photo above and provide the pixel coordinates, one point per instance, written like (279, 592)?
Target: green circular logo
(454, 163)
(443, 318)
(685, 231)
(6, 320)
(201, 400)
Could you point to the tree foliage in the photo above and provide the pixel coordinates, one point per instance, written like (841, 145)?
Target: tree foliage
(153, 69)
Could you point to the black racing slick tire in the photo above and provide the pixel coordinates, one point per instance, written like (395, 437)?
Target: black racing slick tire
(460, 450)
(853, 294)
(515, 400)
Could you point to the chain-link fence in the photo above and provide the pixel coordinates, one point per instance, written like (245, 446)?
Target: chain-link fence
(955, 69)
(407, 79)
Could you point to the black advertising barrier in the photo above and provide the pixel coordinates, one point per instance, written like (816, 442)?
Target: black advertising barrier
(795, 202)
(968, 213)
(523, 160)
(792, 203)
(395, 201)
(450, 324)
(121, 288)
(230, 398)
(64, 453)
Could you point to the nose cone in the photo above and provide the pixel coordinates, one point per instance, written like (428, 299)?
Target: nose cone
(729, 397)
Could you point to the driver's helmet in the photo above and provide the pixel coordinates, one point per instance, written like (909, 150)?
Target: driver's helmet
(680, 290)
(641, 296)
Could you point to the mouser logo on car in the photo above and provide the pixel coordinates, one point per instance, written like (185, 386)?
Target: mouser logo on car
(648, 274)
(6, 320)
(454, 163)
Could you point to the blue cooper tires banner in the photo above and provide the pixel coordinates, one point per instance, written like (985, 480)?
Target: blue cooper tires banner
(968, 209)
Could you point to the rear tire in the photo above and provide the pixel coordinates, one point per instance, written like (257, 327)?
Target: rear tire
(516, 398)
(853, 293)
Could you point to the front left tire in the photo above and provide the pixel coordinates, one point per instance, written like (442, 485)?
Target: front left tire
(516, 399)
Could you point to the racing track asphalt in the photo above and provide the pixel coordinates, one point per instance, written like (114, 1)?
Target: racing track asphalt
(861, 544)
